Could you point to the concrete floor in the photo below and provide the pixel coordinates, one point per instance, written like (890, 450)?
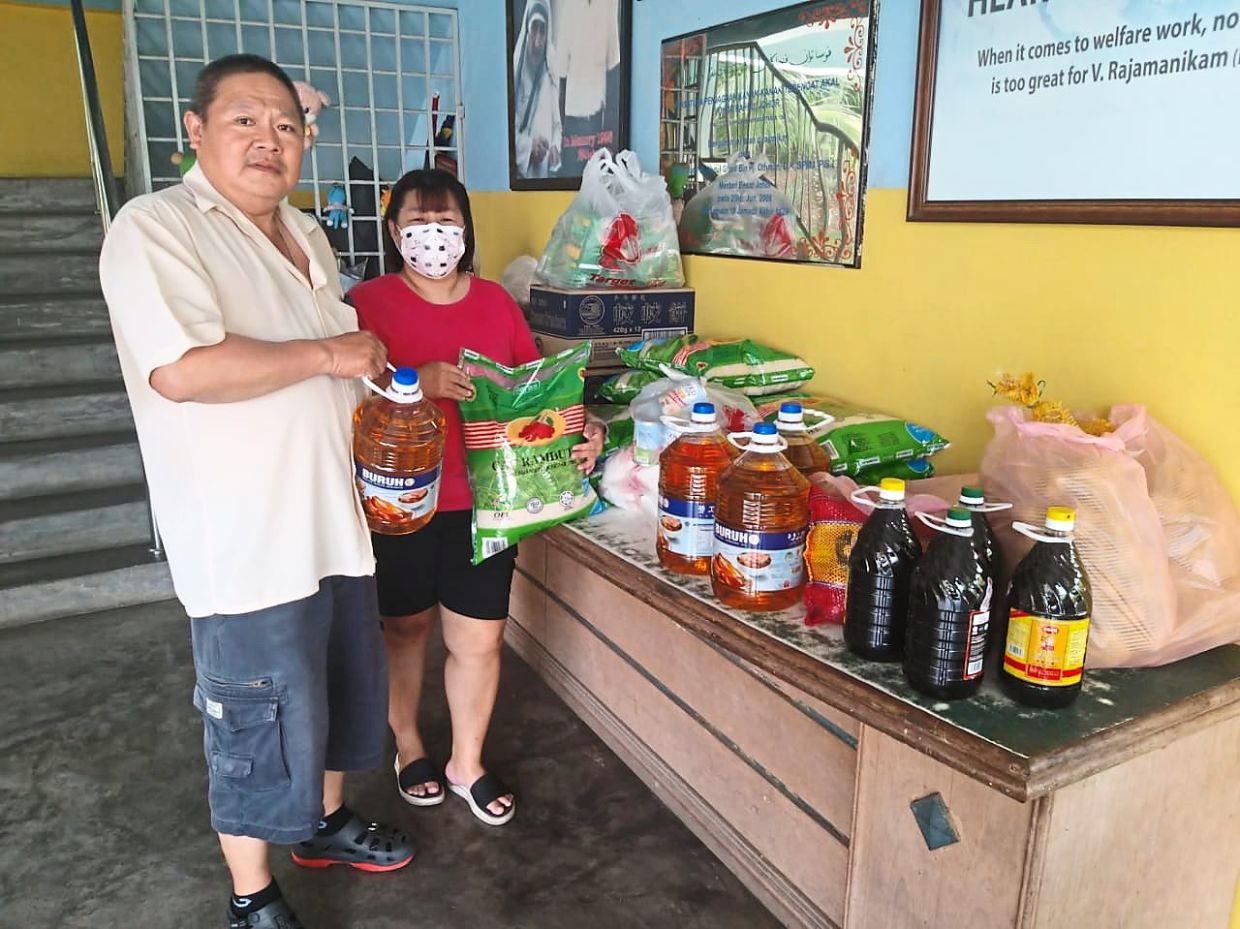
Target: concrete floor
(103, 817)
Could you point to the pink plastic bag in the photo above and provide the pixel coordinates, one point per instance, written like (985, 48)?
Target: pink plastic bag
(1137, 491)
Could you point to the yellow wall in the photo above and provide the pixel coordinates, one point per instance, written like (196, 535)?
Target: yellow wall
(42, 123)
(1106, 314)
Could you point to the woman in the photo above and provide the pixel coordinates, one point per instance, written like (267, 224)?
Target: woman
(425, 311)
(536, 96)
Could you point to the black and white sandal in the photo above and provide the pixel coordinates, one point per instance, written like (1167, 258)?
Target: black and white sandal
(422, 771)
(483, 792)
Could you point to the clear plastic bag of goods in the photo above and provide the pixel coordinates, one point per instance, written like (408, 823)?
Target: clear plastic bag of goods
(520, 428)
(1157, 531)
(750, 367)
(617, 232)
(630, 485)
(861, 440)
(668, 400)
(517, 277)
(398, 443)
(741, 213)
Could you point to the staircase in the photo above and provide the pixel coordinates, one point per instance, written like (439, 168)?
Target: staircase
(74, 529)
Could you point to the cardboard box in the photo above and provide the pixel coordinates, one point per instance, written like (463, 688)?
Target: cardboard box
(603, 355)
(632, 315)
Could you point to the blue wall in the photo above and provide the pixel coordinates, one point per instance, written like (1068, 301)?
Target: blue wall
(484, 63)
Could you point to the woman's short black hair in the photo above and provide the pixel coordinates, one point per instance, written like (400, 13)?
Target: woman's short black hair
(435, 190)
(207, 84)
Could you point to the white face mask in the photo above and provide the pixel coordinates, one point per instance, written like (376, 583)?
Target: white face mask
(432, 250)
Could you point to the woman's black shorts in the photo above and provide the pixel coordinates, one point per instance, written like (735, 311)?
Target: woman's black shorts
(434, 565)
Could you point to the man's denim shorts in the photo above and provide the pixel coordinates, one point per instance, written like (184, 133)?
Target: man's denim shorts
(285, 694)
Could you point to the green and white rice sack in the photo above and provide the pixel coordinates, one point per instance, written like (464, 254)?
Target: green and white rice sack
(520, 429)
(750, 367)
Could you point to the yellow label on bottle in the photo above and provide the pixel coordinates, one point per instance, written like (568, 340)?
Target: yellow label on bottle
(1050, 652)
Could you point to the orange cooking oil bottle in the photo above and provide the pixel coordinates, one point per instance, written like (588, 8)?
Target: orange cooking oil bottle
(806, 455)
(689, 472)
(1049, 604)
(761, 520)
(398, 442)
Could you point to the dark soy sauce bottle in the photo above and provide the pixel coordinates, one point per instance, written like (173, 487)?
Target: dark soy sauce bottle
(1048, 617)
(880, 568)
(973, 499)
(948, 612)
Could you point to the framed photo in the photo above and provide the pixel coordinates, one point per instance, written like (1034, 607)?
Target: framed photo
(568, 88)
(1077, 111)
(764, 127)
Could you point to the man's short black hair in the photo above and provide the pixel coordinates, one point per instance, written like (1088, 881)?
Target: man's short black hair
(207, 85)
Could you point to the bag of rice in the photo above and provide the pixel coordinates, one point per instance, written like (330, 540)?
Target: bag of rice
(624, 387)
(753, 369)
(915, 469)
(520, 427)
(860, 439)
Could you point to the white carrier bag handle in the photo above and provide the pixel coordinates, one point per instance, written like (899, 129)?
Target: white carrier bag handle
(1038, 535)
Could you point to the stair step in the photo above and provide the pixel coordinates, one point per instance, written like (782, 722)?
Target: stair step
(83, 582)
(36, 316)
(76, 521)
(52, 410)
(42, 194)
(45, 466)
(50, 232)
(70, 360)
(63, 273)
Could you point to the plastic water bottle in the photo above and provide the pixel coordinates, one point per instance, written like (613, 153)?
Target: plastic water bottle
(806, 455)
(880, 569)
(398, 442)
(1049, 604)
(948, 611)
(761, 520)
(689, 471)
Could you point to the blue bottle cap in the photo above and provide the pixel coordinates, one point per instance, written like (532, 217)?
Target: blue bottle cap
(406, 377)
(764, 429)
(704, 408)
(790, 408)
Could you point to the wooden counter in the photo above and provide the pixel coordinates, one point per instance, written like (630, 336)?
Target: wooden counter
(844, 799)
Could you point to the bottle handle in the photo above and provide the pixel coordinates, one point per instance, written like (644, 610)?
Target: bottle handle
(824, 420)
(1033, 532)
(381, 391)
(939, 524)
(861, 495)
(991, 507)
(781, 444)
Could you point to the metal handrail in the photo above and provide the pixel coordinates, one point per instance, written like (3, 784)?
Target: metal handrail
(101, 167)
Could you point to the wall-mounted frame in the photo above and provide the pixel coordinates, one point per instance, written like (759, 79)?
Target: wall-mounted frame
(1077, 111)
(765, 124)
(568, 88)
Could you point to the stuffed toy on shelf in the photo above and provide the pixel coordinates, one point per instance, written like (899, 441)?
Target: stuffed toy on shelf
(312, 101)
(336, 213)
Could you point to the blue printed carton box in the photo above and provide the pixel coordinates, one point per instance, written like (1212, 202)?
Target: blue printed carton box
(626, 315)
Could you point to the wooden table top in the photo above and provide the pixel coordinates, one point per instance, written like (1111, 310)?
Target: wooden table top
(1023, 752)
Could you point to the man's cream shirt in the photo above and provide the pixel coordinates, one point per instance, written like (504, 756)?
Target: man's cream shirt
(256, 500)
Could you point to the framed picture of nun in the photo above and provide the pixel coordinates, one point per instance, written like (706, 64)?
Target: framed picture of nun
(568, 88)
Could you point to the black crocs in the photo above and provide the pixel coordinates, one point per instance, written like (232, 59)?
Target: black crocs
(359, 844)
(275, 915)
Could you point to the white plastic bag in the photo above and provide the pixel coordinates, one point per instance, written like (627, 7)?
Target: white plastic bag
(617, 232)
(661, 404)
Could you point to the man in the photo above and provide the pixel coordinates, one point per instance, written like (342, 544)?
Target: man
(586, 48)
(241, 363)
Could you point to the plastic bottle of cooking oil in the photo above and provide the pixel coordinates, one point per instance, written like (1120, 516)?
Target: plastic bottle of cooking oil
(689, 472)
(948, 611)
(1048, 617)
(398, 440)
(880, 568)
(761, 519)
(806, 455)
